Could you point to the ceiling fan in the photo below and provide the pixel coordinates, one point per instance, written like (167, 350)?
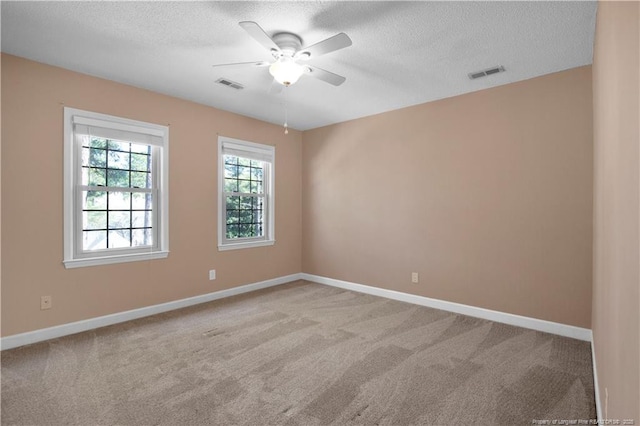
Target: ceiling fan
(290, 57)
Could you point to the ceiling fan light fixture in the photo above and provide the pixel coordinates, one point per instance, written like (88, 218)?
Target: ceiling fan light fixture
(285, 71)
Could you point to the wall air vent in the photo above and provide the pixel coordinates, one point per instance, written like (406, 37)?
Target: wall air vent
(229, 83)
(486, 72)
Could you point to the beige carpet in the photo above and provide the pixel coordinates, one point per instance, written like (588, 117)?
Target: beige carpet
(300, 354)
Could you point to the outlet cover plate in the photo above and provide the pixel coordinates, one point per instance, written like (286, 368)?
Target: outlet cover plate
(45, 302)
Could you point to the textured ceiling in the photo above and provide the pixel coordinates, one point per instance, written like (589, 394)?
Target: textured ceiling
(403, 53)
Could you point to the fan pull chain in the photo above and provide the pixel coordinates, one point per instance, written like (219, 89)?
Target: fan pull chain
(286, 115)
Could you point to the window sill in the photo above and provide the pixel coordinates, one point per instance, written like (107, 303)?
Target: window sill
(237, 246)
(107, 260)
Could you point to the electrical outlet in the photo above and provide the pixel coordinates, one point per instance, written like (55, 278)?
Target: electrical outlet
(45, 302)
(212, 274)
(414, 277)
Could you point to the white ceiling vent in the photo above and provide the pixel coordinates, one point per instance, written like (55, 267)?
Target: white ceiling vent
(486, 72)
(229, 83)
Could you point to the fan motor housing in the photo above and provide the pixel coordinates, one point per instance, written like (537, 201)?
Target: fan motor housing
(288, 43)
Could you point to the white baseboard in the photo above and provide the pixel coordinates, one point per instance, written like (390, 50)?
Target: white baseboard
(511, 319)
(595, 380)
(22, 339)
(16, 340)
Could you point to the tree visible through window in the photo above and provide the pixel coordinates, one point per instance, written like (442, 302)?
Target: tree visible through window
(113, 216)
(116, 203)
(246, 194)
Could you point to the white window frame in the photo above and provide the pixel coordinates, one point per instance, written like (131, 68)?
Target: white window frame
(254, 151)
(74, 255)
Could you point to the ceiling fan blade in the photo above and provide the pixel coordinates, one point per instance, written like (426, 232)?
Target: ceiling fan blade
(337, 42)
(242, 64)
(259, 35)
(324, 75)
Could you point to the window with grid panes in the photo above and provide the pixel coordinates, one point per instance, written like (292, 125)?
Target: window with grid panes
(245, 194)
(115, 189)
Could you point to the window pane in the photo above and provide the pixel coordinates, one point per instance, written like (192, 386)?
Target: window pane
(230, 185)
(246, 203)
(244, 186)
(98, 142)
(230, 159)
(233, 203)
(140, 180)
(118, 160)
(98, 157)
(119, 220)
(118, 178)
(244, 161)
(94, 220)
(232, 216)
(230, 170)
(256, 170)
(256, 187)
(244, 172)
(94, 240)
(93, 177)
(141, 219)
(246, 216)
(119, 200)
(142, 201)
(118, 145)
(257, 216)
(94, 157)
(142, 149)
(232, 231)
(142, 237)
(247, 231)
(140, 162)
(94, 200)
(120, 238)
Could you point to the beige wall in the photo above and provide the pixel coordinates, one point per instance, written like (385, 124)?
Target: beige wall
(616, 276)
(488, 196)
(33, 96)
